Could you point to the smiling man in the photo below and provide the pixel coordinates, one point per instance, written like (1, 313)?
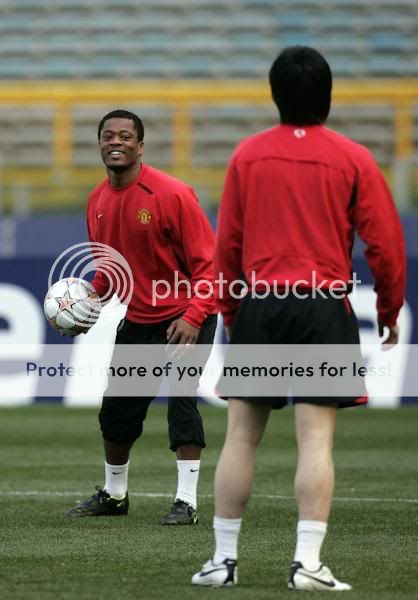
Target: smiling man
(156, 223)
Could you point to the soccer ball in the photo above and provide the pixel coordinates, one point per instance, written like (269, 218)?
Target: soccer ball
(69, 306)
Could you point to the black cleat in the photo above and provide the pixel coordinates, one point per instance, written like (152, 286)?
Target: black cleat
(180, 513)
(100, 505)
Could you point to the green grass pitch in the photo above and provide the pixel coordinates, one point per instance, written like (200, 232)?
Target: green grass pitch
(51, 457)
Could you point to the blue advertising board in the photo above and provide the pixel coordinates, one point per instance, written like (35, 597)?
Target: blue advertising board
(24, 277)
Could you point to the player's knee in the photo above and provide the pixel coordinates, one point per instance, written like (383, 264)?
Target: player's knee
(119, 428)
(186, 431)
(245, 435)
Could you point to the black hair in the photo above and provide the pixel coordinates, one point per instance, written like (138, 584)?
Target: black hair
(123, 114)
(301, 82)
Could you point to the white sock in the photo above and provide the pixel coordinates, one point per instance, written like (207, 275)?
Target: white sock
(116, 480)
(226, 537)
(188, 476)
(310, 535)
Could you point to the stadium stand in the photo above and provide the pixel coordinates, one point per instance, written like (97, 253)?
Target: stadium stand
(156, 38)
(159, 40)
(27, 135)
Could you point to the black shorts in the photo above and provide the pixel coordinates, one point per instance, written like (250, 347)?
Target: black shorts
(121, 418)
(294, 320)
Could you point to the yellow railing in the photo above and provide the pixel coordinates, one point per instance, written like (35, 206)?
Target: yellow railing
(181, 97)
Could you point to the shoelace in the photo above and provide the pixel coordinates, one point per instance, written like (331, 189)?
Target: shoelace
(178, 507)
(101, 494)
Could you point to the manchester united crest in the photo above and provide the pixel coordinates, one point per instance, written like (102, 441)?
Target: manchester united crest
(144, 216)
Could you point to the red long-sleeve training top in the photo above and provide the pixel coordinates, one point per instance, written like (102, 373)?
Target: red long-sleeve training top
(292, 200)
(157, 225)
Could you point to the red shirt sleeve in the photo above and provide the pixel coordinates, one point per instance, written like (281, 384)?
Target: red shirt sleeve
(379, 226)
(228, 250)
(100, 282)
(195, 238)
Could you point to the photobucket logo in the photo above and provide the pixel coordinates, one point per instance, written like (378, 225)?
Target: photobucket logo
(314, 287)
(111, 268)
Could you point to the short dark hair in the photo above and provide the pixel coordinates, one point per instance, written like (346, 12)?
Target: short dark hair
(123, 114)
(301, 82)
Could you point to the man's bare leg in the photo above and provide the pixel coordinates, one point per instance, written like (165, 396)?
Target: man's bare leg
(314, 480)
(235, 473)
(235, 470)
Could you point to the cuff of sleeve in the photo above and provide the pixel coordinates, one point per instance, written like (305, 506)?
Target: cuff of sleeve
(388, 320)
(194, 317)
(99, 291)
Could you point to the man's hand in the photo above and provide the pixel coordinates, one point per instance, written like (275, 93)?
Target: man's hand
(96, 298)
(392, 338)
(183, 334)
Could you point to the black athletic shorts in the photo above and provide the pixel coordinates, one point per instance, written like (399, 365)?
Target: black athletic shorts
(121, 418)
(294, 320)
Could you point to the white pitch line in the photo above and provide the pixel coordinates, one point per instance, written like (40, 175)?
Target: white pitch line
(46, 494)
(343, 498)
(35, 493)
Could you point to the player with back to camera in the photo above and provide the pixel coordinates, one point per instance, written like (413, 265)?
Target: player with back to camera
(293, 197)
(156, 223)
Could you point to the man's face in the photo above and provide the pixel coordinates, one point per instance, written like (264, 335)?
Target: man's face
(119, 145)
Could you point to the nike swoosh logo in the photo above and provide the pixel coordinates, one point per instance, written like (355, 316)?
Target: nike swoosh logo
(101, 215)
(203, 573)
(327, 583)
(120, 504)
(118, 473)
(193, 470)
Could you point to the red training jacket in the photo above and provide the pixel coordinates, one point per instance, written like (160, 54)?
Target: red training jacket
(157, 225)
(292, 200)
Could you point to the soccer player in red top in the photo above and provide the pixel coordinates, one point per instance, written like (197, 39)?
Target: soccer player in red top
(155, 222)
(294, 196)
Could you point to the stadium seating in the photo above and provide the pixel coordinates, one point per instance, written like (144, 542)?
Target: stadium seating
(203, 39)
(95, 39)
